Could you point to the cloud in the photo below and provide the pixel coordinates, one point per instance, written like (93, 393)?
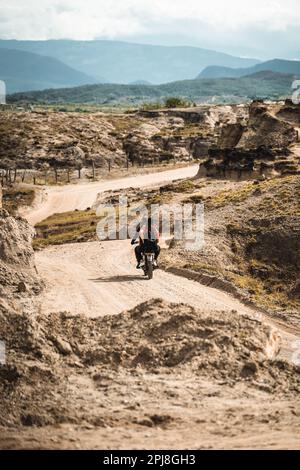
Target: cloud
(129, 19)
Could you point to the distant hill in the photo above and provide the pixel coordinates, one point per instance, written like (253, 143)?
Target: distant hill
(270, 85)
(122, 62)
(25, 71)
(140, 82)
(276, 65)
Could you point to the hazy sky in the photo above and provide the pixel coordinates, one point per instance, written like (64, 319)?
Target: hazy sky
(261, 28)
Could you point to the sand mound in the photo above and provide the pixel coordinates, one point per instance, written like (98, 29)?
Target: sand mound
(158, 334)
(46, 354)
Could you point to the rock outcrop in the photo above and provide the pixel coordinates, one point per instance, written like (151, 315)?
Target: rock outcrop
(17, 268)
(266, 144)
(52, 140)
(236, 138)
(55, 140)
(264, 128)
(290, 112)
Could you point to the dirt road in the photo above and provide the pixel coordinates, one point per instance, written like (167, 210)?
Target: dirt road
(59, 199)
(100, 278)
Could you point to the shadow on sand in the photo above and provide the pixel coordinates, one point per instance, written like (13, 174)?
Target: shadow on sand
(119, 278)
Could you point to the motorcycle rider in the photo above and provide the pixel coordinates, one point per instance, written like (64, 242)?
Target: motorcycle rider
(148, 235)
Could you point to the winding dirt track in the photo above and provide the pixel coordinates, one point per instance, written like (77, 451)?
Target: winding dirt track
(100, 278)
(59, 199)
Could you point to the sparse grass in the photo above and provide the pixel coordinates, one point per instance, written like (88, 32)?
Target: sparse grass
(123, 123)
(281, 195)
(68, 227)
(266, 209)
(267, 278)
(267, 296)
(184, 186)
(202, 267)
(158, 198)
(196, 198)
(187, 130)
(169, 102)
(252, 285)
(284, 198)
(16, 197)
(226, 197)
(192, 130)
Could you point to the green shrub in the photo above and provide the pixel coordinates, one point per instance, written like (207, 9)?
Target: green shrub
(176, 102)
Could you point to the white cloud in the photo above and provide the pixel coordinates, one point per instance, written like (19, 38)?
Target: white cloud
(127, 19)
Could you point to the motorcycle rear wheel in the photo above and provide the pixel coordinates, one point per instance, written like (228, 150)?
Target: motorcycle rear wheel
(150, 270)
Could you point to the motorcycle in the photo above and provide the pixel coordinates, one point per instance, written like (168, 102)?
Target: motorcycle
(148, 261)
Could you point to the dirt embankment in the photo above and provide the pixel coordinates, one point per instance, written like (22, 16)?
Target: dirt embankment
(251, 240)
(131, 372)
(17, 267)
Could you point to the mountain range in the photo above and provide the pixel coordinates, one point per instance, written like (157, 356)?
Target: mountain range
(275, 65)
(122, 62)
(24, 71)
(126, 71)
